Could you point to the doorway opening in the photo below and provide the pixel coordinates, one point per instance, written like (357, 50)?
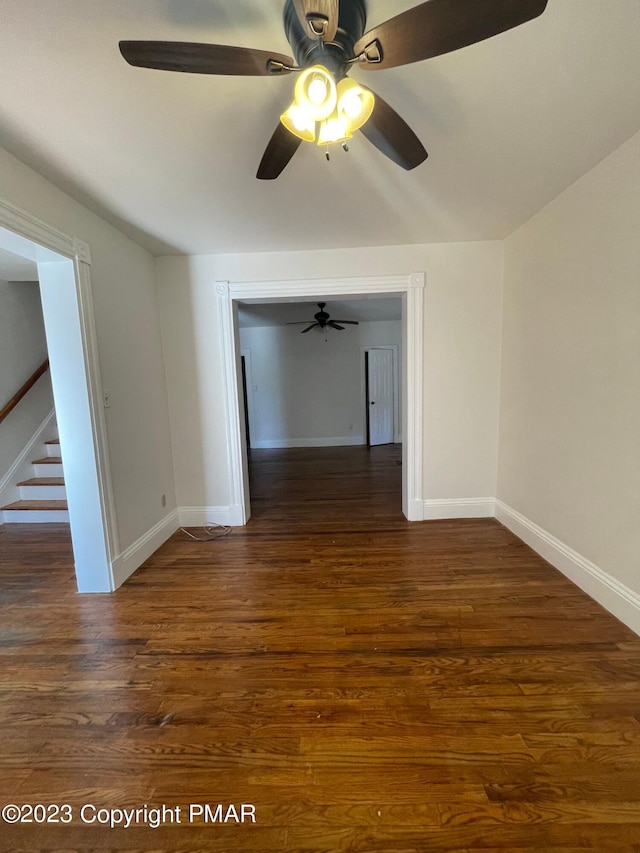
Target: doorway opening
(63, 265)
(381, 395)
(410, 288)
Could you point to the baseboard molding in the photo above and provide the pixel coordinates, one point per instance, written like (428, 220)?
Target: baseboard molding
(458, 508)
(199, 516)
(21, 468)
(415, 510)
(126, 563)
(281, 443)
(134, 556)
(614, 596)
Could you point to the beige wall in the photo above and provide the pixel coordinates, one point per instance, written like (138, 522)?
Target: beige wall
(129, 345)
(310, 388)
(463, 305)
(570, 412)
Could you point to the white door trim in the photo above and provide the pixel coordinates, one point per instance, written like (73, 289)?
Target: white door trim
(409, 287)
(90, 497)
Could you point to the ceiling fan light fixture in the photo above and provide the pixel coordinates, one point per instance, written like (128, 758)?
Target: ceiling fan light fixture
(334, 31)
(298, 122)
(355, 103)
(316, 93)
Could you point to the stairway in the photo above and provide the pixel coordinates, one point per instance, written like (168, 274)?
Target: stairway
(43, 497)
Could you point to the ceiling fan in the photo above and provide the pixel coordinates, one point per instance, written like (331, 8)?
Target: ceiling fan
(328, 39)
(322, 320)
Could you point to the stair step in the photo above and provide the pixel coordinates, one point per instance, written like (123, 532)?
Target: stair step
(49, 466)
(43, 488)
(35, 512)
(33, 506)
(53, 441)
(52, 447)
(43, 481)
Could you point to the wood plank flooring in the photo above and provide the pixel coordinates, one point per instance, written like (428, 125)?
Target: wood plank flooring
(368, 685)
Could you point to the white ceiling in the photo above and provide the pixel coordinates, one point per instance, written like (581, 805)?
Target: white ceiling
(279, 313)
(171, 158)
(15, 268)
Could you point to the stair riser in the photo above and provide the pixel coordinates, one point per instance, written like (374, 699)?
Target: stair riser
(52, 470)
(39, 494)
(43, 493)
(35, 516)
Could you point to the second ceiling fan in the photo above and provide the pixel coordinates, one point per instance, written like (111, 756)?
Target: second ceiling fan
(328, 39)
(322, 319)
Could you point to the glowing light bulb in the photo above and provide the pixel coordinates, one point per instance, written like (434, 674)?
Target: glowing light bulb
(299, 119)
(334, 129)
(355, 103)
(297, 122)
(317, 91)
(351, 104)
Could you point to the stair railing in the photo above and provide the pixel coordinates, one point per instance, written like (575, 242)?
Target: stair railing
(28, 385)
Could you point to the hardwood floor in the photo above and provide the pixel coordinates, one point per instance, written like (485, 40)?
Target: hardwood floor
(368, 685)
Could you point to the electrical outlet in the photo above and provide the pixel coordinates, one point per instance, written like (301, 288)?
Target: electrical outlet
(107, 399)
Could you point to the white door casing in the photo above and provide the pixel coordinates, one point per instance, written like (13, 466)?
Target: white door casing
(409, 287)
(64, 272)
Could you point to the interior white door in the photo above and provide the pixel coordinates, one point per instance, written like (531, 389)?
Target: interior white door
(380, 395)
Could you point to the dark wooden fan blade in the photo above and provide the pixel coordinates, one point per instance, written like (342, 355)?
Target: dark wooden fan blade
(348, 322)
(334, 325)
(319, 18)
(281, 148)
(205, 58)
(440, 26)
(392, 135)
(312, 326)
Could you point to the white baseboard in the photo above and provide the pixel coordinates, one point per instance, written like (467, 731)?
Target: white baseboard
(614, 596)
(337, 441)
(199, 516)
(134, 556)
(22, 468)
(415, 510)
(458, 508)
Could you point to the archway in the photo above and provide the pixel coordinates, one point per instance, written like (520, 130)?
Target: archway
(411, 290)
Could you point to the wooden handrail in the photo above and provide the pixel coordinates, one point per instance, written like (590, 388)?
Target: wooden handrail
(28, 385)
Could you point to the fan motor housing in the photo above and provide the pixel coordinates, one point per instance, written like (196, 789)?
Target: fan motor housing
(334, 55)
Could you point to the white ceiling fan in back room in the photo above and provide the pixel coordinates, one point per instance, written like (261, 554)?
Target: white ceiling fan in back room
(328, 39)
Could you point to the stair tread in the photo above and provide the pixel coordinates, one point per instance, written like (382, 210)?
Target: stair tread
(53, 441)
(36, 505)
(43, 481)
(48, 460)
